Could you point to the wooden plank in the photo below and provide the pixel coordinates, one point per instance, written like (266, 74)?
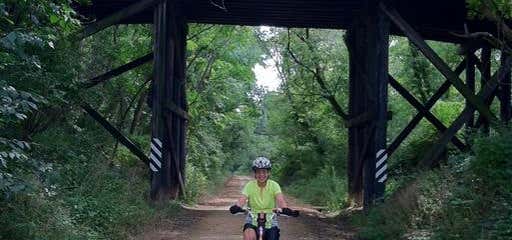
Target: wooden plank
(355, 162)
(505, 94)
(118, 71)
(437, 61)
(169, 67)
(115, 18)
(480, 120)
(429, 104)
(470, 82)
(424, 111)
(485, 76)
(431, 158)
(157, 97)
(368, 43)
(116, 133)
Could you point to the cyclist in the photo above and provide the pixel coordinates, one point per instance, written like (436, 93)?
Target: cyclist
(262, 194)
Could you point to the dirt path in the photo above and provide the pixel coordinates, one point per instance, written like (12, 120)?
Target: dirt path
(211, 220)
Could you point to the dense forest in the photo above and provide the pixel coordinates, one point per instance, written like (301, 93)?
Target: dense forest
(62, 176)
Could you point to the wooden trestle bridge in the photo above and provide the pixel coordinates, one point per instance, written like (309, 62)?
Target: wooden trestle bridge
(369, 24)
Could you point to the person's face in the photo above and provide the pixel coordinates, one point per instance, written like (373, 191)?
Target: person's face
(261, 175)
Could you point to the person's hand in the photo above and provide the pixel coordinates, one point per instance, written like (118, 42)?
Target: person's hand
(289, 212)
(235, 209)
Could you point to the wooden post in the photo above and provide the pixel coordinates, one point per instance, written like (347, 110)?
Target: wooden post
(486, 76)
(167, 158)
(368, 41)
(470, 81)
(504, 94)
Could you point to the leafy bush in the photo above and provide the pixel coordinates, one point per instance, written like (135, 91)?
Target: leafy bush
(325, 189)
(196, 183)
(469, 198)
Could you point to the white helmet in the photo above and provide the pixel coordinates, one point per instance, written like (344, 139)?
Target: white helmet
(261, 163)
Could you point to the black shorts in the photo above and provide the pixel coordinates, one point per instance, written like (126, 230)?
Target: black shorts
(270, 234)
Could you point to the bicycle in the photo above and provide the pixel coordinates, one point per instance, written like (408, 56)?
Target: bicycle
(263, 220)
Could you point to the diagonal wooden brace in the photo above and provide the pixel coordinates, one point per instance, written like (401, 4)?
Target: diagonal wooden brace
(432, 156)
(429, 104)
(424, 111)
(429, 53)
(116, 133)
(118, 71)
(115, 18)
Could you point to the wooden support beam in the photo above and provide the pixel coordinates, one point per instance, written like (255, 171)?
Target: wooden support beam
(429, 53)
(470, 82)
(485, 76)
(368, 43)
(118, 71)
(116, 133)
(115, 18)
(505, 94)
(480, 120)
(168, 94)
(429, 104)
(432, 157)
(424, 111)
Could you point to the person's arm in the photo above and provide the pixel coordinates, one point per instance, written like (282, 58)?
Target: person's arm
(241, 201)
(281, 203)
(237, 207)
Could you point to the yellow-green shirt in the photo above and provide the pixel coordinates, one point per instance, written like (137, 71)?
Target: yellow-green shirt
(261, 199)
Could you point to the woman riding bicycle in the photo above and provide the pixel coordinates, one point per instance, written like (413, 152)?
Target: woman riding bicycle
(262, 194)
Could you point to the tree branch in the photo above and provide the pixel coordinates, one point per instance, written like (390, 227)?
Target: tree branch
(318, 78)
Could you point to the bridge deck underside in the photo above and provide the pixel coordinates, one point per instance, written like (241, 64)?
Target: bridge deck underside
(434, 20)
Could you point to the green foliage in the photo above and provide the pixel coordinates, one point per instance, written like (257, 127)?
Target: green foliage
(77, 195)
(63, 177)
(325, 189)
(469, 198)
(492, 165)
(220, 92)
(197, 183)
(478, 8)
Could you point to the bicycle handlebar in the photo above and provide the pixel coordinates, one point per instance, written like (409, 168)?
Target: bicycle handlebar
(288, 212)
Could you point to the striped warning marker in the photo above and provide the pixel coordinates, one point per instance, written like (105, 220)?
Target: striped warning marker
(156, 155)
(381, 166)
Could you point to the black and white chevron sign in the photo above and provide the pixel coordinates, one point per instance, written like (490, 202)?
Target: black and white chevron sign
(381, 173)
(156, 155)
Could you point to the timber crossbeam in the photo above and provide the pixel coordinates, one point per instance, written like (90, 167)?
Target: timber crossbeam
(443, 68)
(429, 104)
(432, 157)
(118, 71)
(424, 111)
(116, 133)
(116, 17)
